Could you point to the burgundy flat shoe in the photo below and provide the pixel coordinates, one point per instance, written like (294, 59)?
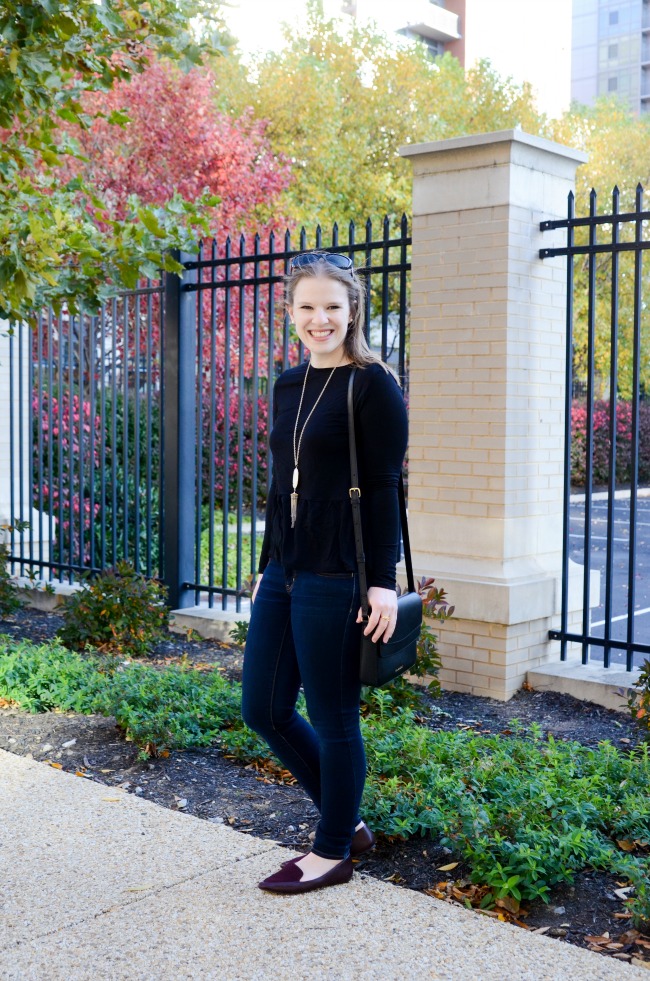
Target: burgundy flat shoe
(362, 841)
(292, 861)
(289, 878)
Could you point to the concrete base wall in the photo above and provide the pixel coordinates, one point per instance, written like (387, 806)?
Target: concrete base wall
(608, 687)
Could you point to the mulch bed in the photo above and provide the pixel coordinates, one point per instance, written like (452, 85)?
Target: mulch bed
(208, 785)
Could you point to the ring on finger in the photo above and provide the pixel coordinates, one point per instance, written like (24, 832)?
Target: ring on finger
(384, 617)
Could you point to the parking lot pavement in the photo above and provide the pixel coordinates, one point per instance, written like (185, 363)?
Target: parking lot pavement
(620, 565)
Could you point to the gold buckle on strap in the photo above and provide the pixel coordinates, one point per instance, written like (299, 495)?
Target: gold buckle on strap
(357, 489)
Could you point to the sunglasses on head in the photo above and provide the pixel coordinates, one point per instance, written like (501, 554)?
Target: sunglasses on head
(308, 258)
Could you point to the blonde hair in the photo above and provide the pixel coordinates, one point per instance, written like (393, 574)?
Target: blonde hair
(355, 344)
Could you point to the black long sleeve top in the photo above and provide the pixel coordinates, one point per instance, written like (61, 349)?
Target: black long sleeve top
(322, 540)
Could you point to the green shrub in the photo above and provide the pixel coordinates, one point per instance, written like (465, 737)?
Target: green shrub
(119, 612)
(239, 632)
(44, 677)
(109, 441)
(526, 814)
(10, 600)
(639, 700)
(170, 709)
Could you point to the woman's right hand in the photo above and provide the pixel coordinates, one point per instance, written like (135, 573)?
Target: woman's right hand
(256, 587)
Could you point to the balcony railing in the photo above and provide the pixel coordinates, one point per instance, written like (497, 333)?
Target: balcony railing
(429, 21)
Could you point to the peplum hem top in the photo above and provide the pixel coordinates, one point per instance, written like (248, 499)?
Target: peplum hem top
(322, 540)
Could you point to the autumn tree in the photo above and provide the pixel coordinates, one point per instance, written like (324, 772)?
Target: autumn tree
(54, 242)
(172, 139)
(616, 142)
(159, 136)
(341, 98)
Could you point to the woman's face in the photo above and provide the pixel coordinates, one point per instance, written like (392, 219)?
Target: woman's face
(321, 313)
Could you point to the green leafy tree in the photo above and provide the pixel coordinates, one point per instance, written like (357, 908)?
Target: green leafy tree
(57, 244)
(617, 144)
(341, 98)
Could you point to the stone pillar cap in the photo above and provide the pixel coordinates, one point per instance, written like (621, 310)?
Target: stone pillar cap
(485, 139)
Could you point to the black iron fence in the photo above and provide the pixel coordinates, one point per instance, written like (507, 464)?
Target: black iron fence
(607, 440)
(141, 433)
(85, 404)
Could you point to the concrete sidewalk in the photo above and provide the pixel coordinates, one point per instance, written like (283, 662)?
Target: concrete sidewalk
(97, 883)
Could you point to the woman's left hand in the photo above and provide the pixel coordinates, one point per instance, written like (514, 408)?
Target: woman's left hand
(383, 613)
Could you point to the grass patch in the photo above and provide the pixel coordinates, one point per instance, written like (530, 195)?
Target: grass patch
(231, 550)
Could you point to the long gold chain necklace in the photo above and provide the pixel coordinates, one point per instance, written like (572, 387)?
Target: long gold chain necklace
(296, 448)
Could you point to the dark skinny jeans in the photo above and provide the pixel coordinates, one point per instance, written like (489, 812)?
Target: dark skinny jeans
(303, 629)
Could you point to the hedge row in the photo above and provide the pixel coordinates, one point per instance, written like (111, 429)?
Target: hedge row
(602, 443)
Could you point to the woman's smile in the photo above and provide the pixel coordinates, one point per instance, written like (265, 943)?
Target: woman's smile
(321, 313)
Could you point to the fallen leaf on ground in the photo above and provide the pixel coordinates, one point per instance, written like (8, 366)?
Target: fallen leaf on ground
(624, 893)
(448, 868)
(509, 903)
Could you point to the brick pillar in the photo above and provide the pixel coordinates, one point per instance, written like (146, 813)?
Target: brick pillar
(487, 372)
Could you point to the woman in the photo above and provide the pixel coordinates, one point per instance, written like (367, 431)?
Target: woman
(305, 622)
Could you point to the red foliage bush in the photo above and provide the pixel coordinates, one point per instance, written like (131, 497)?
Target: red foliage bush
(70, 448)
(601, 443)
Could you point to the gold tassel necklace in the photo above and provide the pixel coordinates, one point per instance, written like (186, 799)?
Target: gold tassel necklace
(296, 449)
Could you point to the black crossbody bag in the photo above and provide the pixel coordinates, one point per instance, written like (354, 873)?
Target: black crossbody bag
(383, 662)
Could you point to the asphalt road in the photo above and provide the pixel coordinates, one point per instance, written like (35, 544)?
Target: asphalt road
(620, 568)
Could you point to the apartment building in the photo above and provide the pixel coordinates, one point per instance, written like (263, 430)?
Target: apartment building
(524, 39)
(435, 22)
(611, 52)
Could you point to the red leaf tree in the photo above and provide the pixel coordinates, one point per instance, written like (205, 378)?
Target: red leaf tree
(176, 141)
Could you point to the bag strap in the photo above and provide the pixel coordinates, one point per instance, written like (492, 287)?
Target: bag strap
(355, 500)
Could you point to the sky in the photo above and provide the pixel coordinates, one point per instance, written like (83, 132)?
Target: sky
(525, 39)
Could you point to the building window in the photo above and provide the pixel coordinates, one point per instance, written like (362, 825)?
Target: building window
(613, 17)
(612, 51)
(612, 84)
